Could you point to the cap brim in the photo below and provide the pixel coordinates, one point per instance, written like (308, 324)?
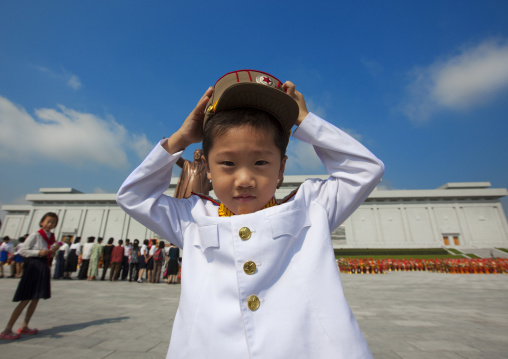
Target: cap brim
(261, 97)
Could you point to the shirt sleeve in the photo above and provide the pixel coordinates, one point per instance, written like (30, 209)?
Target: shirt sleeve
(354, 171)
(29, 248)
(142, 197)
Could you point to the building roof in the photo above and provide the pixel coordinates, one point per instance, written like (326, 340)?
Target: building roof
(448, 191)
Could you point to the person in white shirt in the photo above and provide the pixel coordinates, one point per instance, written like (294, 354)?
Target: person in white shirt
(125, 261)
(259, 276)
(18, 258)
(85, 258)
(6, 251)
(143, 257)
(61, 257)
(38, 250)
(149, 262)
(71, 265)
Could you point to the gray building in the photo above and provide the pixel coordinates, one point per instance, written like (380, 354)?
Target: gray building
(463, 214)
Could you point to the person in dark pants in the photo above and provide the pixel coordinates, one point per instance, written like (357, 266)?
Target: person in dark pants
(108, 248)
(116, 261)
(133, 261)
(125, 260)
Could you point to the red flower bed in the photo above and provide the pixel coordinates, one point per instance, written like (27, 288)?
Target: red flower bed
(448, 265)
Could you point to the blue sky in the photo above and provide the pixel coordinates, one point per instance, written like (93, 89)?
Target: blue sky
(88, 87)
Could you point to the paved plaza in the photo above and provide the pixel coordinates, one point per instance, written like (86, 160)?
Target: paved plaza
(408, 315)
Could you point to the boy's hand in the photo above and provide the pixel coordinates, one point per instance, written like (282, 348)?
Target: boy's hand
(191, 130)
(291, 91)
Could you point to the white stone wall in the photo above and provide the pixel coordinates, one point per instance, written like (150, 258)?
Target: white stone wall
(388, 219)
(423, 225)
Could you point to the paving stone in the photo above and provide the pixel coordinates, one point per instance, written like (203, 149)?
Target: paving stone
(427, 355)
(442, 346)
(74, 353)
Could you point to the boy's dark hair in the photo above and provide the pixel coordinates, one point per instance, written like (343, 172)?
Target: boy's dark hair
(99, 240)
(257, 119)
(77, 240)
(120, 242)
(21, 239)
(49, 214)
(146, 242)
(91, 239)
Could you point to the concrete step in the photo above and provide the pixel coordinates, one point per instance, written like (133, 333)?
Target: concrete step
(485, 252)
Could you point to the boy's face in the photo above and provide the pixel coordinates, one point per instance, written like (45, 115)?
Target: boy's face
(245, 166)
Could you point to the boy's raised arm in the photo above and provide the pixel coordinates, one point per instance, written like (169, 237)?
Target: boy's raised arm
(191, 130)
(302, 107)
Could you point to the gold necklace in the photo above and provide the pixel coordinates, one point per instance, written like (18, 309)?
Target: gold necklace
(225, 212)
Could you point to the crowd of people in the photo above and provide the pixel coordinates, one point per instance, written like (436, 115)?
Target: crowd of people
(132, 261)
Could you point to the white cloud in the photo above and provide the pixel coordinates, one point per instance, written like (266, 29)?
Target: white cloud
(302, 159)
(318, 109)
(68, 78)
(73, 82)
(140, 145)
(471, 78)
(64, 135)
(374, 68)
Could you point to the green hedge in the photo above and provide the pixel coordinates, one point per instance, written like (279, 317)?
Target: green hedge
(453, 250)
(345, 252)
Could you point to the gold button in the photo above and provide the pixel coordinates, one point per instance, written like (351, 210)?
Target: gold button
(253, 302)
(244, 233)
(249, 267)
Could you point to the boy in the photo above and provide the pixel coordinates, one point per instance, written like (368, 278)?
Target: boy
(260, 278)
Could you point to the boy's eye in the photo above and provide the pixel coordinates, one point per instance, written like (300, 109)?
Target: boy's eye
(260, 163)
(227, 163)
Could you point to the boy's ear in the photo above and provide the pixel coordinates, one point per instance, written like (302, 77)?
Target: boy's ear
(282, 168)
(207, 167)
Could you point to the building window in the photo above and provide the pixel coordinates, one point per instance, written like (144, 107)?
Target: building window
(451, 240)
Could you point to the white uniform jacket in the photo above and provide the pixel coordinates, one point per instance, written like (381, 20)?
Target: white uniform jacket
(302, 310)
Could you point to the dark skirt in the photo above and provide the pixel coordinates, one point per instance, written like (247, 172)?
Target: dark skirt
(141, 263)
(59, 266)
(3, 256)
(172, 267)
(149, 264)
(71, 264)
(35, 282)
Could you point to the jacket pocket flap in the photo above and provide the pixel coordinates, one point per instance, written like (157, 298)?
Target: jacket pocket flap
(288, 223)
(208, 237)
